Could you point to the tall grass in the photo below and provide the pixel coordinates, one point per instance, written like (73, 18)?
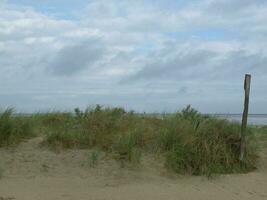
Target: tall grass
(13, 129)
(203, 145)
(190, 142)
(1, 172)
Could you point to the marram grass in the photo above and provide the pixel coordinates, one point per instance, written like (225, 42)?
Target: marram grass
(190, 142)
(14, 129)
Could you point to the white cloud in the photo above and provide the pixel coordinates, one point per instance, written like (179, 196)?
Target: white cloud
(126, 52)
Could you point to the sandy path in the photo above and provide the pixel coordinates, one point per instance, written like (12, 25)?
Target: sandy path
(35, 173)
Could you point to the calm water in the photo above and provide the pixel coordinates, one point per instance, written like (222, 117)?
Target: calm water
(253, 119)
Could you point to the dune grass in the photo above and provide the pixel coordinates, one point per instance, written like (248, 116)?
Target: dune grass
(14, 129)
(2, 171)
(189, 142)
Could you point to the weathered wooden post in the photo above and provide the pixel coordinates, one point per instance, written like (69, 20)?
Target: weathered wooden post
(244, 117)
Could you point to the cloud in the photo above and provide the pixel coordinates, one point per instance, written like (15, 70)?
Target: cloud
(143, 55)
(236, 7)
(181, 65)
(200, 61)
(182, 90)
(72, 59)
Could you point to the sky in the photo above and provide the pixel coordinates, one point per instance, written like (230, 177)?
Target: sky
(147, 56)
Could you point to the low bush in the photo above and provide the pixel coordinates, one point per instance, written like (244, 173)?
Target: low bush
(190, 142)
(14, 128)
(204, 145)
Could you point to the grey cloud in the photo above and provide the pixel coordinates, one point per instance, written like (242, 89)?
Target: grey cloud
(179, 66)
(72, 59)
(200, 65)
(240, 62)
(183, 90)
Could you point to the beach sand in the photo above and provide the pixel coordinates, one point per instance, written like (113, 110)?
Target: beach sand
(33, 172)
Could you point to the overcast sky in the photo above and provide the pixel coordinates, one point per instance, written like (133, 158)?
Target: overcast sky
(150, 55)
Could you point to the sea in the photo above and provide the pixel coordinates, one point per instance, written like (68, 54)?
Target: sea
(253, 119)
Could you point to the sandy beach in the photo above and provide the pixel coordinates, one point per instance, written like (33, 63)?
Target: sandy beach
(33, 172)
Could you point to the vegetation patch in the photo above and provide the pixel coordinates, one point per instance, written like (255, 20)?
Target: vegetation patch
(1, 172)
(191, 143)
(14, 128)
(204, 145)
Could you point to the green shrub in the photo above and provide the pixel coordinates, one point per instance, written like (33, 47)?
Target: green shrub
(1, 171)
(69, 139)
(93, 127)
(212, 147)
(127, 147)
(192, 143)
(14, 129)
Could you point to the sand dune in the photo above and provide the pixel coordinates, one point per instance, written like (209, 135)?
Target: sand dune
(32, 172)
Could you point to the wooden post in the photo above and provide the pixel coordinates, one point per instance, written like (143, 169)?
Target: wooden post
(245, 117)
